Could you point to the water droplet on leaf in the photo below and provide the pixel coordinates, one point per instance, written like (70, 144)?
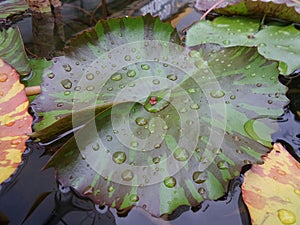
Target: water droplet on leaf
(109, 138)
(201, 191)
(192, 90)
(77, 88)
(145, 67)
(226, 42)
(194, 54)
(141, 121)
(181, 154)
(3, 77)
(195, 106)
(222, 165)
(116, 76)
(90, 88)
(95, 147)
(119, 157)
(66, 93)
(157, 145)
(127, 175)
(134, 144)
(127, 58)
(67, 68)
(172, 77)
(156, 160)
(51, 75)
(170, 182)
(16, 141)
(199, 177)
(286, 216)
(90, 76)
(217, 93)
(134, 198)
(110, 189)
(66, 83)
(131, 73)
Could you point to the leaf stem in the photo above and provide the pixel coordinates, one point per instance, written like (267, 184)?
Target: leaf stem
(34, 90)
(211, 9)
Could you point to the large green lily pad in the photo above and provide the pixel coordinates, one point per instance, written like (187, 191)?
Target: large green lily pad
(175, 124)
(62, 78)
(279, 43)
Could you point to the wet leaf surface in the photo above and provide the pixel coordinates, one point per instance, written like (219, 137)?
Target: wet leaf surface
(182, 124)
(61, 81)
(12, 50)
(284, 9)
(15, 122)
(273, 42)
(271, 191)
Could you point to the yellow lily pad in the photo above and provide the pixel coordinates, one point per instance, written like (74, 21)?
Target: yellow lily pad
(15, 121)
(272, 191)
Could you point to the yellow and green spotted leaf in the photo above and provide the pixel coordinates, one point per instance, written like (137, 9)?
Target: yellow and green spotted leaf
(15, 121)
(177, 123)
(272, 191)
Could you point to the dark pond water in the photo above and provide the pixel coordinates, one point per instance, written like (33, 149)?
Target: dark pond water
(35, 193)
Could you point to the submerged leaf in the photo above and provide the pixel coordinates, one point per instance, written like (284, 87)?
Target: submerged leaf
(12, 7)
(271, 191)
(15, 122)
(12, 50)
(273, 42)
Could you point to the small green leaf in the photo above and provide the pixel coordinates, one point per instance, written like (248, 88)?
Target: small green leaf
(273, 42)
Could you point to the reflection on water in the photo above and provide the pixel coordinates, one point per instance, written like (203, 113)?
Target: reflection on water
(35, 194)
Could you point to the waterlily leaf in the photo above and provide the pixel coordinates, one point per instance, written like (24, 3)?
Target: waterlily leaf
(15, 122)
(273, 42)
(12, 7)
(271, 191)
(12, 50)
(183, 136)
(65, 125)
(284, 9)
(61, 81)
(182, 120)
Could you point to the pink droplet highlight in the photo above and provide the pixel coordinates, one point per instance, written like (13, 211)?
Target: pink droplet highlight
(153, 101)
